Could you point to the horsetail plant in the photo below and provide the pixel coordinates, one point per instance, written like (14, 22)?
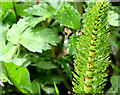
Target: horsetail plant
(93, 49)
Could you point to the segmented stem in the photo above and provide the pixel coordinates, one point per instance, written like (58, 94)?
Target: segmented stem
(92, 57)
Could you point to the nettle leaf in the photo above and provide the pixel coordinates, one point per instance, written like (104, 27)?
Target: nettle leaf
(15, 32)
(72, 44)
(41, 9)
(68, 16)
(45, 65)
(33, 21)
(38, 39)
(19, 76)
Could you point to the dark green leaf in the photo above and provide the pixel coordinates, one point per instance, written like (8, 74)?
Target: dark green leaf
(35, 87)
(45, 65)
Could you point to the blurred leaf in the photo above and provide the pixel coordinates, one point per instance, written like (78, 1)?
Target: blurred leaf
(56, 5)
(39, 39)
(45, 65)
(18, 61)
(68, 16)
(35, 87)
(114, 82)
(113, 18)
(5, 79)
(56, 89)
(72, 44)
(48, 89)
(13, 34)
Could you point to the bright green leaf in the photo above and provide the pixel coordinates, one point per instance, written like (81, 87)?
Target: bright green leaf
(39, 39)
(8, 52)
(72, 44)
(19, 76)
(41, 9)
(15, 32)
(68, 16)
(33, 21)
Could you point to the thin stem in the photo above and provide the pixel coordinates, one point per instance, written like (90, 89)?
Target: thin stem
(18, 51)
(15, 10)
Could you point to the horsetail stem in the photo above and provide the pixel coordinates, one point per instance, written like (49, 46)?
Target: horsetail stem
(92, 55)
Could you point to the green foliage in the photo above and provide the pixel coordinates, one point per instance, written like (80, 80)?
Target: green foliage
(73, 44)
(20, 77)
(12, 35)
(45, 65)
(56, 89)
(38, 39)
(92, 58)
(113, 18)
(32, 47)
(115, 85)
(68, 16)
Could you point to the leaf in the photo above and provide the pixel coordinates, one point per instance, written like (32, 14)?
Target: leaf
(41, 9)
(4, 29)
(15, 32)
(6, 6)
(20, 10)
(72, 44)
(56, 89)
(18, 61)
(45, 65)
(68, 16)
(35, 87)
(48, 89)
(39, 39)
(56, 5)
(19, 76)
(113, 18)
(8, 52)
(33, 21)
(114, 81)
